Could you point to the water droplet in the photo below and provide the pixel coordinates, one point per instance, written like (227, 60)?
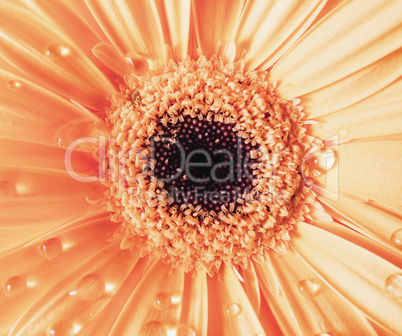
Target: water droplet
(308, 287)
(153, 328)
(12, 84)
(343, 132)
(393, 285)
(184, 330)
(232, 310)
(16, 285)
(53, 52)
(163, 301)
(396, 239)
(61, 328)
(140, 65)
(7, 189)
(59, 142)
(90, 288)
(51, 248)
(323, 161)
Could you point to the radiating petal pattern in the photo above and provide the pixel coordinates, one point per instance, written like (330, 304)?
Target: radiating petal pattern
(369, 32)
(268, 28)
(175, 20)
(50, 57)
(317, 308)
(380, 223)
(132, 26)
(378, 115)
(215, 22)
(156, 304)
(354, 88)
(230, 311)
(49, 258)
(31, 113)
(34, 202)
(358, 275)
(80, 296)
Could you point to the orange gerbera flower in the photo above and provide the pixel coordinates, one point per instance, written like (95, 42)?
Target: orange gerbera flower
(194, 168)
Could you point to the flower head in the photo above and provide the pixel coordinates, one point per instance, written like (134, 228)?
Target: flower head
(200, 167)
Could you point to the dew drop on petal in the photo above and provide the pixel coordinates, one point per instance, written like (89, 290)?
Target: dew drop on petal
(163, 301)
(324, 161)
(140, 65)
(152, 328)
(53, 52)
(393, 285)
(90, 288)
(343, 132)
(184, 330)
(16, 285)
(308, 287)
(61, 328)
(396, 239)
(51, 248)
(12, 84)
(232, 310)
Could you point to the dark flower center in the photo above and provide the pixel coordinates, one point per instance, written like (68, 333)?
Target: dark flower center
(204, 163)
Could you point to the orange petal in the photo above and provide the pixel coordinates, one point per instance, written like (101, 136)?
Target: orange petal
(41, 200)
(360, 276)
(110, 57)
(175, 20)
(34, 46)
(354, 88)
(31, 113)
(46, 158)
(42, 268)
(380, 223)
(268, 28)
(239, 317)
(351, 232)
(155, 305)
(215, 23)
(267, 278)
(73, 302)
(195, 303)
(283, 314)
(377, 115)
(368, 33)
(370, 170)
(132, 26)
(104, 321)
(268, 319)
(317, 308)
(251, 287)
(61, 14)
